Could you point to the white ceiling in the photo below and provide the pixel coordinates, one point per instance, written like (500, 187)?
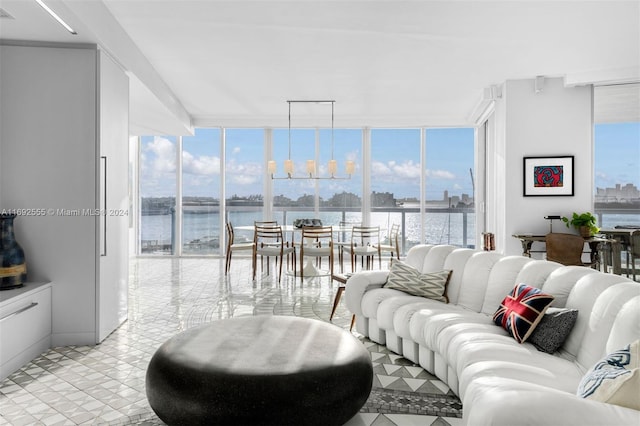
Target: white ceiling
(385, 63)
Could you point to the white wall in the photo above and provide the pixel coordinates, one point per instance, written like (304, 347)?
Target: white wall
(554, 122)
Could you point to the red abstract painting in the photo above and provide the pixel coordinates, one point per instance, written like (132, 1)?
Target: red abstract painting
(548, 176)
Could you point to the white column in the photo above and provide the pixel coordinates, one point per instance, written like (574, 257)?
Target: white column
(222, 217)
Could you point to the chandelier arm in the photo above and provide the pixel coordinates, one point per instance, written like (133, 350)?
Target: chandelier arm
(332, 164)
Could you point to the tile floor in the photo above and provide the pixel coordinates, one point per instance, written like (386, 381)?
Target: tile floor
(104, 384)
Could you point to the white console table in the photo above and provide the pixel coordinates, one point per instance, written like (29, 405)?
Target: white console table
(25, 325)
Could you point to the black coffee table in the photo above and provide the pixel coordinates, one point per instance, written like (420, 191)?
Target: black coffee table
(268, 370)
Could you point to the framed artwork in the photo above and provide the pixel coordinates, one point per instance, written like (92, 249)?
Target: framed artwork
(548, 176)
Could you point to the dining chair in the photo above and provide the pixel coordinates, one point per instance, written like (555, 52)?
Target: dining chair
(344, 239)
(233, 246)
(392, 244)
(365, 242)
(566, 249)
(264, 223)
(270, 242)
(316, 241)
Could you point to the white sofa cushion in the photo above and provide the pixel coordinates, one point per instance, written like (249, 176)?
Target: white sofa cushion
(475, 279)
(456, 262)
(372, 299)
(388, 308)
(501, 281)
(583, 296)
(536, 272)
(626, 326)
(533, 404)
(562, 376)
(561, 281)
(601, 320)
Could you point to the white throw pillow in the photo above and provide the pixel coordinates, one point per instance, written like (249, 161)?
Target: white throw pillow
(615, 379)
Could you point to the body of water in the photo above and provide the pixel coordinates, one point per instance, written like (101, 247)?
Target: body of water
(201, 232)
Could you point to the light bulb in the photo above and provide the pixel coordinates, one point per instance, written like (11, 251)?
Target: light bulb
(311, 167)
(333, 167)
(288, 167)
(351, 167)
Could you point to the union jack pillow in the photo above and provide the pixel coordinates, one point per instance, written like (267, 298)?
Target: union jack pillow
(522, 310)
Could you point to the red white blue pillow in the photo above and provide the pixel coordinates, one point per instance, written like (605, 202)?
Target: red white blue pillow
(521, 311)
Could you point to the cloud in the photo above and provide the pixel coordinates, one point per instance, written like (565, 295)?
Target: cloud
(243, 173)
(407, 170)
(163, 158)
(395, 171)
(202, 165)
(440, 174)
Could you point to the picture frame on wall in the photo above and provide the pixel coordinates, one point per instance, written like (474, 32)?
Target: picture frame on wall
(548, 176)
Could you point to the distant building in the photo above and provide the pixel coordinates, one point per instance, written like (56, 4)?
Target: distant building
(383, 199)
(628, 193)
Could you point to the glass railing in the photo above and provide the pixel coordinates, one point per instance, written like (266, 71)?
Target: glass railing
(609, 218)
(455, 226)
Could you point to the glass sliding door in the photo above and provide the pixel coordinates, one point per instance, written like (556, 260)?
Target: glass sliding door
(157, 195)
(201, 192)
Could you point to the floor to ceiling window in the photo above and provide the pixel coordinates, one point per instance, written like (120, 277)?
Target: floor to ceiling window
(617, 174)
(617, 155)
(449, 186)
(244, 178)
(420, 179)
(201, 192)
(157, 194)
(396, 171)
(340, 199)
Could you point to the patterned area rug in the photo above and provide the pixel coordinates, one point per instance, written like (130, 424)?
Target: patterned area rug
(401, 387)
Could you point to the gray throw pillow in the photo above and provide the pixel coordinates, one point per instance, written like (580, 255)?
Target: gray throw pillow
(553, 329)
(408, 279)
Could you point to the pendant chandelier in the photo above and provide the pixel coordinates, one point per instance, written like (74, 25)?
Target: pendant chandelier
(332, 166)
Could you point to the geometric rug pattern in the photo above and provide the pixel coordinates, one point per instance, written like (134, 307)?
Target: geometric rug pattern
(105, 384)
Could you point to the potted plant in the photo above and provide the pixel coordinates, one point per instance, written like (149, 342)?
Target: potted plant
(585, 223)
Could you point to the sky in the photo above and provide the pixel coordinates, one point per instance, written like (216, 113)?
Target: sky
(395, 163)
(617, 154)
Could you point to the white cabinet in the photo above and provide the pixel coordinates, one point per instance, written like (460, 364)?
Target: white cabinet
(64, 149)
(25, 325)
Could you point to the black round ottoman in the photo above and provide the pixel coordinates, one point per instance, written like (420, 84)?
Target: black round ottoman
(263, 370)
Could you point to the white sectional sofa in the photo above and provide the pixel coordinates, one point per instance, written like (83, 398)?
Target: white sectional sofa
(501, 381)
